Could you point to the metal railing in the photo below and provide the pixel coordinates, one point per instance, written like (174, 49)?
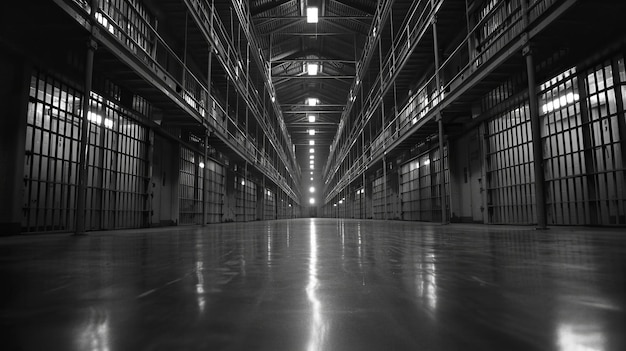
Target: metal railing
(148, 47)
(428, 99)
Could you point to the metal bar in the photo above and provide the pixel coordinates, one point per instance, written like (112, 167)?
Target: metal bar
(442, 176)
(83, 162)
(314, 77)
(540, 196)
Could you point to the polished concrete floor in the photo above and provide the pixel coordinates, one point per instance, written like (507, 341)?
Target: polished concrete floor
(316, 284)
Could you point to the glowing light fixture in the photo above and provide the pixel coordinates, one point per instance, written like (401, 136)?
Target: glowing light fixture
(311, 201)
(201, 165)
(312, 189)
(311, 142)
(312, 69)
(311, 119)
(311, 131)
(311, 15)
(311, 101)
(311, 150)
(312, 167)
(311, 157)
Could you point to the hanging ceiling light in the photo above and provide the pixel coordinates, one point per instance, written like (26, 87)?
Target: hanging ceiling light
(311, 15)
(312, 68)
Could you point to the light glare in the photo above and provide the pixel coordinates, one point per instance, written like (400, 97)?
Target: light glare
(312, 69)
(311, 15)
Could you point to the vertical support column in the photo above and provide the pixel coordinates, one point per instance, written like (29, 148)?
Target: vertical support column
(205, 177)
(385, 187)
(621, 122)
(81, 192)
(535, 126)
(14, 92)
(243, 189)
(442, 173)
(590, 165)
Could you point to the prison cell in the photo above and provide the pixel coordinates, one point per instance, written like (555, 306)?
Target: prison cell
(359, 204)
(245, 199)
(378, 197)
(420, 188)
(117, 171)
(116, 154)
(214, 191)
(510, 177)
(269, 205)
(190, 187)
(51, 162)
(603, 147)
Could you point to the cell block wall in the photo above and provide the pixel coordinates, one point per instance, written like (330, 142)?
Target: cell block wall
(245, 200)
(358, 205)
(51, 162)
(190, 187)
(116, 154)
(215, 190)
(582, 145)
(510, 177)
(269, 205)
(420, 187)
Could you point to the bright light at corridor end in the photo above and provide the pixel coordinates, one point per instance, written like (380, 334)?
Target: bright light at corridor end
(311, 15)
(312, 69)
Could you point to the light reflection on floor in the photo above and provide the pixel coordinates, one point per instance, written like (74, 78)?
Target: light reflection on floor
(317, 284)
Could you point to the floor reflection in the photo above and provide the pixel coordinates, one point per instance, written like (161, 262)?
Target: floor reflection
(95, 335)
(318, 326)
(301, 285)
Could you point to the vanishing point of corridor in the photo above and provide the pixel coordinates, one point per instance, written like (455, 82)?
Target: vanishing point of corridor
(316, 285)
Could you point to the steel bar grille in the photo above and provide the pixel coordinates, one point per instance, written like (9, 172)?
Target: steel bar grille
(51, 162)
(605, 161)
(510, 193)
(215, 191)
(359, 204)
(563, 150)
(116, 154)
(245, 196)
(378, 197)
(117, 177)
(420, 187)
(190, 188)
(269, 205)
